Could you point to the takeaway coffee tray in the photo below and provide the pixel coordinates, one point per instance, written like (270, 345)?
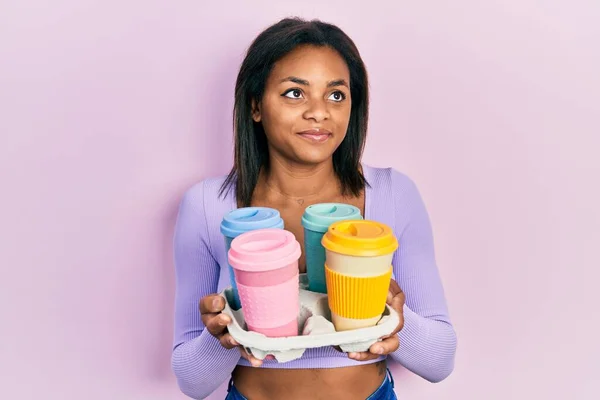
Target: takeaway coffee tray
(315, 329)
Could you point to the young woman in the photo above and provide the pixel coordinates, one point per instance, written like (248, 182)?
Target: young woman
(300, 120)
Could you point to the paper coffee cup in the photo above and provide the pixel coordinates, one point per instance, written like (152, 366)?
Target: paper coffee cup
(358, 270)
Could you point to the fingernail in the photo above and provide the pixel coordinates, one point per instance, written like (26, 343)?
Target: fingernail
(352, 355)
(224, 320)
(216, 303)
(233, 342)
(378, 350)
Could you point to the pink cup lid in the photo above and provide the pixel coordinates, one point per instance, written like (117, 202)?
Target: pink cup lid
(264, 250)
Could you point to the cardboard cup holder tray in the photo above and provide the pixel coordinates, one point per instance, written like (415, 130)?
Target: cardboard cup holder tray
(315, 329)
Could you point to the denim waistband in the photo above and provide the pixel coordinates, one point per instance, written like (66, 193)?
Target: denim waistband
(384, 392)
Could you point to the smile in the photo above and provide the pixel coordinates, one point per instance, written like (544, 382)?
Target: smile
(315, 135)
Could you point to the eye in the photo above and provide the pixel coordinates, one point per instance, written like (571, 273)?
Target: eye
(293, 94)
(337, 96)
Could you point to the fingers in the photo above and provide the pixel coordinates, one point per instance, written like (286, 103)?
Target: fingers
(390, 343)
(378, 349)
(210, 308)
(394, 287)
(227, 341)
(363, 356)
(398, 301)
(210, 304)
(255, 362)
(216, 324)
(386, 346)
(397, 304)
(398, 328)
(394, 291)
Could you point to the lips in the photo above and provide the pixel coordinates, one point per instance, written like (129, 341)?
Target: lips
(315, 135)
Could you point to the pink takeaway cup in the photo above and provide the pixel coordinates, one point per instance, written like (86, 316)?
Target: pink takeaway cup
(265, 264)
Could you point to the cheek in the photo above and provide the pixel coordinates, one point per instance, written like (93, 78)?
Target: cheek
(342, 118)
(278, 118)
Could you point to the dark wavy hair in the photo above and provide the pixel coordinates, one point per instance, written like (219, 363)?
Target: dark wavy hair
(251, 150)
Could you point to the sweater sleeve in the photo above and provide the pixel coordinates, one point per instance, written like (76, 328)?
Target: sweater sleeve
(428, 340)
(198, 360)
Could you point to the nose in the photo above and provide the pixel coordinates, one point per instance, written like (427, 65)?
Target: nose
(317, 111)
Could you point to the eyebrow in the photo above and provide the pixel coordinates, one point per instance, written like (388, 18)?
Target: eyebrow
(304, 82)
(338, 82)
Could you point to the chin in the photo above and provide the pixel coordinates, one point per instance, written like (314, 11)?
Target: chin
(314, 154)
(314, 158)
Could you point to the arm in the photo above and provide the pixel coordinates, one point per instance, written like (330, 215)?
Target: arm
(427, 341)
(199, 361)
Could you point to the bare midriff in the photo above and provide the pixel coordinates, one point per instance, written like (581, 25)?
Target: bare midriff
(356, 382)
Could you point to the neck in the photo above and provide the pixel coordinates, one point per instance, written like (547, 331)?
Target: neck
(298, 181)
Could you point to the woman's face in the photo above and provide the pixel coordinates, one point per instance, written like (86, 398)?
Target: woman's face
(306, 105)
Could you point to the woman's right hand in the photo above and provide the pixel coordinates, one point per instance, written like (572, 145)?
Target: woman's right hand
(216, 323)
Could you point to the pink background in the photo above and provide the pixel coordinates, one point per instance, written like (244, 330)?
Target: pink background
(109, 110)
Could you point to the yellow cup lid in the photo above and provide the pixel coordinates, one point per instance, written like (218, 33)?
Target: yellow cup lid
(361, 238)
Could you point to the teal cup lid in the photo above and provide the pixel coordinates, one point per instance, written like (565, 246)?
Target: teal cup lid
(246, 219)
(318, 217)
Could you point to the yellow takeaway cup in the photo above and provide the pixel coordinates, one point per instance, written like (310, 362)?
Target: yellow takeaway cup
(358, 270)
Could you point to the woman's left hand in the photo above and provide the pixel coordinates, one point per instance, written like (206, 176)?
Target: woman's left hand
(391, 342)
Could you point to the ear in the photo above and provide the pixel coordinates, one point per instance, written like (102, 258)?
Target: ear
(256, 115)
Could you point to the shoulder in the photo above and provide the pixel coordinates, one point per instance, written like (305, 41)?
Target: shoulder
(396, 194)
(204, 201)
(201, 209)
(206, 191)
(383, 179)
